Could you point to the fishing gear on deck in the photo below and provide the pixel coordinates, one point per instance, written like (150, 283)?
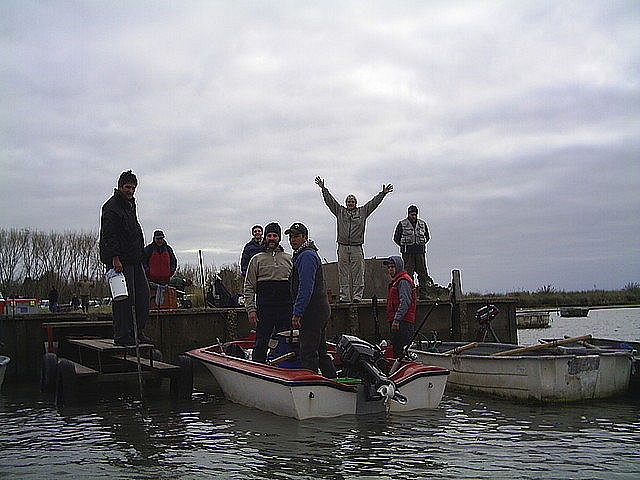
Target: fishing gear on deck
(376, 326)
(135, 333)
(405, 352)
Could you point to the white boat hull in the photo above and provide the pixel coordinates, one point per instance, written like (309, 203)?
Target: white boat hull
(4, 361)
(299, 402)
(423, 392)
(544, 378)
(302, 394)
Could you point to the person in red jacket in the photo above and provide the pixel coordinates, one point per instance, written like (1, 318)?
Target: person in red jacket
(160, 262)
(401, 305)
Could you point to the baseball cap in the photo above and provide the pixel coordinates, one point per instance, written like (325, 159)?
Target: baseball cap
(158, 234)
(297, 228)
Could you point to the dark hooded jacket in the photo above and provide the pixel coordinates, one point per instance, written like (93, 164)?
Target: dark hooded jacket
(250, 249)
(307, 283)
(120, 233)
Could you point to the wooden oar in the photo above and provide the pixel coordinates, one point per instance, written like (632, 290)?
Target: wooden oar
(542, 345)
(461, 348)
(282, 358)
(586, 344)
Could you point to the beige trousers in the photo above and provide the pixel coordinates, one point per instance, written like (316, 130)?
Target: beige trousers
(351, 272)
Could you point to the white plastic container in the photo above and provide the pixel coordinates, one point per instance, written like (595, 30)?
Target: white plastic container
(118, 285)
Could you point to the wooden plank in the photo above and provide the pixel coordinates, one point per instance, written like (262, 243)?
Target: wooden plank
(83, 370)
(104, 344)
(96, 323)
(126, 376)
(157, 365)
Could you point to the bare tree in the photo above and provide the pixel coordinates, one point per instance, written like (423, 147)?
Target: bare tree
(10, 245)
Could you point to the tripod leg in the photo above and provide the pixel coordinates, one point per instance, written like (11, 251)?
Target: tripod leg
(493, 334)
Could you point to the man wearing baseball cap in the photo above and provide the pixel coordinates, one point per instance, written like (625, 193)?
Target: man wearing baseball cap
(159, 262)
(401, 305)
(311, 310)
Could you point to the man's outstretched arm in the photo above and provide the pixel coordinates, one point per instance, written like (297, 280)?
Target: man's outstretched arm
(331, 202)
(372, 204)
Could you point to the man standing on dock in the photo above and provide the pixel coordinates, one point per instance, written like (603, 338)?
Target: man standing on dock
(412, 235)
(401, 305)
(122, 248)
(351, 222)
(311, 309)
(267, 296)
(85, 286)
(160, 262)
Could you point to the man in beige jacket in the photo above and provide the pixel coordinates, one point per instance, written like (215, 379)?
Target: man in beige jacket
(267, 295)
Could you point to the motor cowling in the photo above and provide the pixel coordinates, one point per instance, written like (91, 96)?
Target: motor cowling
(359, 359)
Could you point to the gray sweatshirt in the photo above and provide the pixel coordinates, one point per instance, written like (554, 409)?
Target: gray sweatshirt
(351, 223)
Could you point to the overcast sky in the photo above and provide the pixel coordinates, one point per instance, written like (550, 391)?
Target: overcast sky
(513, 126)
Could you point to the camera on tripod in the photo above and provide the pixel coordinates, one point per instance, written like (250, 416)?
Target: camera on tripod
(486, 313)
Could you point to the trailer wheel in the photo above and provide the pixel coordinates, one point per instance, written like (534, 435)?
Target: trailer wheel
(49, 374)
(182, 381)
(67, 380)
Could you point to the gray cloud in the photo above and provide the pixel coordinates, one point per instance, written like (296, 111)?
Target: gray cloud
(513, 126)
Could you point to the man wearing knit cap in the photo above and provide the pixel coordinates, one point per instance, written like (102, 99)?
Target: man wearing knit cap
(401, 305)
(267, 296)
(412, 235)
(351, 222)
(311, 309)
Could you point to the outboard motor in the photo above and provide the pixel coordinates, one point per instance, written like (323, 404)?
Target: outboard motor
(359, 359)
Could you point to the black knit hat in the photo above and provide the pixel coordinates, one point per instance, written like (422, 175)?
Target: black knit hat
(273, 227)
(412, 208)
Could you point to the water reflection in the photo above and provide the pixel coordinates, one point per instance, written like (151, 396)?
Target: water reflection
(468, 437)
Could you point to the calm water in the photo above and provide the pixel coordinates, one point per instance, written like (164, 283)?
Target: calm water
(467, 437)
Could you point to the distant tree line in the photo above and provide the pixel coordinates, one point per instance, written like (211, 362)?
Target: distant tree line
(548, 297)
(32, 261)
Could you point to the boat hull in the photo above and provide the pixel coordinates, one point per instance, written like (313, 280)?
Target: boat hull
(533, 320)
(537, 378)
(4, 361)
(574, 312)
(302, 394)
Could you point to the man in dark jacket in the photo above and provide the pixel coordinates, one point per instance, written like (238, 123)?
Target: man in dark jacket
(401, 305)
(254, 246)
(311, 310)
(412, 235)
(160, 262)
(53, 299)
(122, 248)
